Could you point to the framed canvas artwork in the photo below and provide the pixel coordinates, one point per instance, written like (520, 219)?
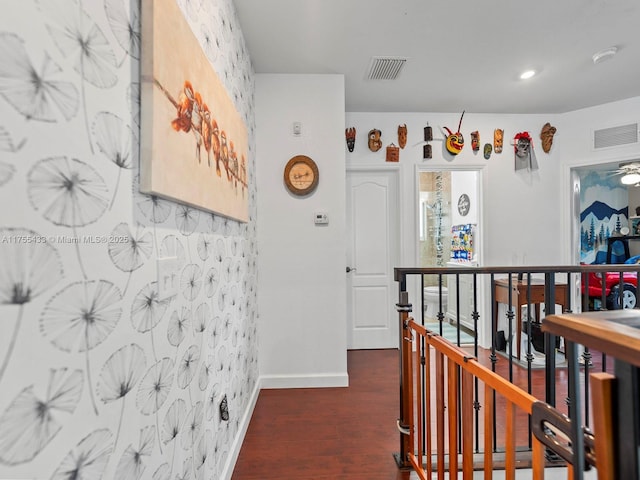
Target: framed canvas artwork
(194, 143)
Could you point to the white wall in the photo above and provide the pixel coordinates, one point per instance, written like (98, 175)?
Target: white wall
(575, 142)
(302, 294)
(515, 205)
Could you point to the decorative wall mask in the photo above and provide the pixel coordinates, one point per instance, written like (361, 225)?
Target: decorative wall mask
(523, 150)
(455, 141)
(498, 138)
(428, 133)
(375, 143)
(428, 136)
(393, 153)
(546, 135)
(475, 141)
(350, 134)
(487, 151)
(402, 135)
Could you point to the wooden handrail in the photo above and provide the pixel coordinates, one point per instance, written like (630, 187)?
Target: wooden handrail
(614, 332)
(616, 427)
(511, 392)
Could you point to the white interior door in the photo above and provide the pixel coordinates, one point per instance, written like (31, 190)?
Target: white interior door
(373, 251)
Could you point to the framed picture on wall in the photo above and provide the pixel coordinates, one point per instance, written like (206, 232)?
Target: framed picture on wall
(194, 143)
(634, 225)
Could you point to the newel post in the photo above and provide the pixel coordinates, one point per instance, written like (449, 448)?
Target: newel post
(404, 308)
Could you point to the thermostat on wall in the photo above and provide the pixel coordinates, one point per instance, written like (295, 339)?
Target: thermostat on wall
(321, 218)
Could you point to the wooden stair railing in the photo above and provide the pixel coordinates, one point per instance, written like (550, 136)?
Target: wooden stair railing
(610, 402)
(616, 398)
(447, 382)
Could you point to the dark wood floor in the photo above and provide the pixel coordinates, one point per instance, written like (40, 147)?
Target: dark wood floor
(330, 433)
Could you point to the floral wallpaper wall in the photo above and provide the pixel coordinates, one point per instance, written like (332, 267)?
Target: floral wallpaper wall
(99, 377)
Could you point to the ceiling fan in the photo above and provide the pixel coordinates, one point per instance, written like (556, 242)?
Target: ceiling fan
(630, 173)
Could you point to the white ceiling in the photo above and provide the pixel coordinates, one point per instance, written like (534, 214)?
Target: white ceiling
(463, 55)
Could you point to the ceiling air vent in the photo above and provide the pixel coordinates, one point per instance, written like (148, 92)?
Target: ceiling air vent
(385, 68)
(615, 136)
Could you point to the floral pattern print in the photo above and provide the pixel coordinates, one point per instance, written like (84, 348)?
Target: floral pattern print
(101, 376)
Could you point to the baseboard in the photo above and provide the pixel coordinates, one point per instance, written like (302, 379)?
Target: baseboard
(234, 452)
(306, 381)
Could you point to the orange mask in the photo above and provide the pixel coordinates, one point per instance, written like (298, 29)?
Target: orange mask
(402, 135)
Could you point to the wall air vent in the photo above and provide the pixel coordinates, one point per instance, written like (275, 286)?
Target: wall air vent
(385, 68)
(615, 136)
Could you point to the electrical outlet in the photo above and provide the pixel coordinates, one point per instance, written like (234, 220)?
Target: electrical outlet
(168, 277)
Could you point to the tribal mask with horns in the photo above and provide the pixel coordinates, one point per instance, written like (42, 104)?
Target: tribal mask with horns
(455, 141)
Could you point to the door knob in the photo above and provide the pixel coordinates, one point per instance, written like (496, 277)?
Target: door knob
(350, 269)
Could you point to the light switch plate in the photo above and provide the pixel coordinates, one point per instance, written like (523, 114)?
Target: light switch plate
(168, 277)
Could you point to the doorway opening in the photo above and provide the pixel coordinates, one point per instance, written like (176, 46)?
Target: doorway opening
(603, 207)
(449, 219)
(449, 227)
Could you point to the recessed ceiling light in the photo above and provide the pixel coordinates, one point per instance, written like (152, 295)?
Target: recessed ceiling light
(603, 55)
(528, 74)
